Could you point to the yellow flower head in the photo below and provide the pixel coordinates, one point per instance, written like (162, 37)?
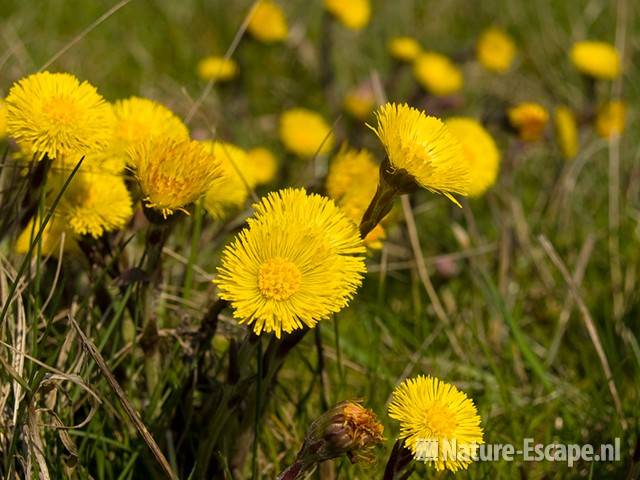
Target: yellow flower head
(263, 164)
(298, 261)
(140, 120)
(437, 74)
(51, 238)
(353, 14)
(495, 50)
(566, 131)
(430, 410)
(359, 102)
(173, 174)
(596, 59)
(405, 49)
(268, 23)
(423, 147)
(481, 152)
(230, 190)
(305, 132)
(611, 119)
(529, 119)
(54, 114)
(3, 119)
(218, 69)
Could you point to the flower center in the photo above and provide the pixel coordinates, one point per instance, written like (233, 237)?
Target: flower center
(440, 421)
(278, 279)
(61, 111)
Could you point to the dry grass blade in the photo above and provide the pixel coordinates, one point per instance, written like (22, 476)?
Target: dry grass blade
(133, 415)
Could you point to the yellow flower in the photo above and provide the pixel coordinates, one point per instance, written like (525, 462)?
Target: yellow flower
(230, 190)
(359, 102)
(173, 174)
(495, 50)
(3, 119)
(610, 119)
(566, 131)
(305, 132)
(50, 240)
(437, 74)
(422, 147)
(140, 120)
(529, 119)
(298, 261)
(54, 114)
(405, 49)
(264, 165)
(596, 59)
(268, 23)
(353, 14)
(218, 69)
(481, 152)
(430, 410)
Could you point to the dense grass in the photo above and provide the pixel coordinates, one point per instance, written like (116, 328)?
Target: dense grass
(502, 294)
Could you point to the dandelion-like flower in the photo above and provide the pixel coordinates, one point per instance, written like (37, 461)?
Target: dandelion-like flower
(218, 69)
(51, 238)
(481, 151)
(405, 49)
(430, 410)
(596, 59)
(298, 261)
(611, 119)
(566, 131)
(173, 174)
(353, 14)
(230, 190)
(359, 102)
(305, 132)
(268, 23)
(437, 74)
(495, 50)
(263, 164)
(529, 119)
(54, 114)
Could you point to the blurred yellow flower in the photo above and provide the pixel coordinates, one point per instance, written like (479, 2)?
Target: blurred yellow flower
(353, 14)
(481, 151)
(422, 147)
(263, 164)
(54, 114)
(298, 261)
(405, 49)
(140, 120)
(437, 74)
(305, 132)
(596, 59)
(611, 119)
(229, 191)
(359, 102)
(495, 50)
(218, 69)
(268, 23)
(529, 119)
(566, 131)
(173, 174)
(430, 410)
(3, 119)
(51, 238)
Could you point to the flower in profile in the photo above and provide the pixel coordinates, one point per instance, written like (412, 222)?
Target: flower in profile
(566, 131)
(298, 261)
(53, 114)
(437, 74)
(3, 119)
(229, 191)
(268, 23)
(173, 174)
(430, 410)
(405, 49)
(305, 133)
(481, 151)
(596, 59)
(529, 119)
(359, 101)
(263, 164)
(140, 119)
(495, 50)
(218, 69)
(611, 118)
(353, 14)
